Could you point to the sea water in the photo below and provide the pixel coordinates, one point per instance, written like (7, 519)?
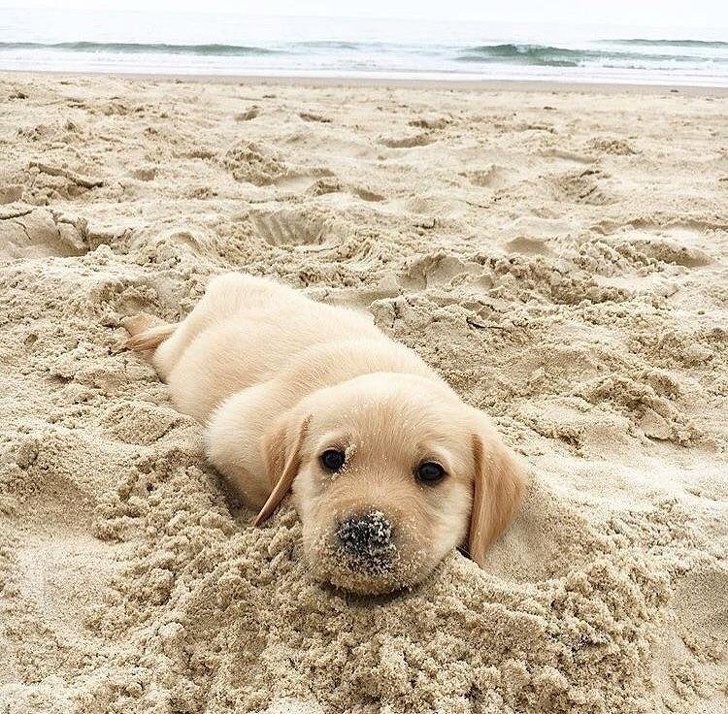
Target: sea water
(198, 43)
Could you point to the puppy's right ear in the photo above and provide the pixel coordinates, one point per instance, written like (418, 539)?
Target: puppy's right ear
(282, 455)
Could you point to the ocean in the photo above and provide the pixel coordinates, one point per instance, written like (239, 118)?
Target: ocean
(197, 43)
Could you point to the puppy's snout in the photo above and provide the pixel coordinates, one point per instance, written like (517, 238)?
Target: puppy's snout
(368, 539)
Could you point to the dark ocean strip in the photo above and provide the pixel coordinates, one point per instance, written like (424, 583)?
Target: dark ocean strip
(544, 55)
(133, 48)
(509, 53)
(671, 43)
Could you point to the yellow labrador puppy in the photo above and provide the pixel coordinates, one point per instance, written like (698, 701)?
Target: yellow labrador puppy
(389, 469)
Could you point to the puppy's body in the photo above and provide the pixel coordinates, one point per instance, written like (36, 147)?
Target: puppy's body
(277, 379)
(253, 329)
(269, 346)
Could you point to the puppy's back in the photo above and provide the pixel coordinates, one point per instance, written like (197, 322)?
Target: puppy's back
(245, 331)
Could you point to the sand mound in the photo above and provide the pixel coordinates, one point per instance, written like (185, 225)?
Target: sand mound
(566, 273)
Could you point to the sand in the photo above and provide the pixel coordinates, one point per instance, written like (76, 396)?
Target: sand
(559, 256)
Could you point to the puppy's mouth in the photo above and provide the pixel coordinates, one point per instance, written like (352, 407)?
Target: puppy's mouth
(376, 565)
(370, 575)
(366, 553)
(361, 554)
(363, 576)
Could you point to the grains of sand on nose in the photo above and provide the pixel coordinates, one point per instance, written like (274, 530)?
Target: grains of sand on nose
(380, 532)
(380, 522)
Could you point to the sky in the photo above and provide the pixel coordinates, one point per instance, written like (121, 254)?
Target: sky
(655, 13)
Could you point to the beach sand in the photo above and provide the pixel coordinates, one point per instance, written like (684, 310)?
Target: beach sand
(559, 256)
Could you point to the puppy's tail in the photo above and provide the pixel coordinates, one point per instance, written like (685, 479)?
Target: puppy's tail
(146, 332)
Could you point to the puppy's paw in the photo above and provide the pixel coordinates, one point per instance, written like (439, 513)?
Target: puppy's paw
(146, 332)
(134, 324)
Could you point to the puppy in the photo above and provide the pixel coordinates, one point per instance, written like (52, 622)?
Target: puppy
(389, 469)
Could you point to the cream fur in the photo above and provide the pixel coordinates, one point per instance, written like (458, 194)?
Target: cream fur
(277, 378)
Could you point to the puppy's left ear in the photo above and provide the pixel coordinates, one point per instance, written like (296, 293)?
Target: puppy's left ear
(498, 485)
(282, 455)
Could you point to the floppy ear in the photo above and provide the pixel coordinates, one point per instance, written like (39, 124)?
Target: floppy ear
(282, 456)
(498, 485)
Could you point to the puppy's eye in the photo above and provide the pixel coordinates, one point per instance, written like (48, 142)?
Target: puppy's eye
(332, 459)
(430, 472)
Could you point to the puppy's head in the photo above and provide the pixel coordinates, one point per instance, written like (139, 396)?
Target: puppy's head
(389, 473)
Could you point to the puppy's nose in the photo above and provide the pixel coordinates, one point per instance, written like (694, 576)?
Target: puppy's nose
(367, 538)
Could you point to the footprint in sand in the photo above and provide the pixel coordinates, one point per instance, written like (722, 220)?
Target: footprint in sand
(144, 173)
(669, 250)
(366, 194)
(248, 114)
(583, 187)
(141, 422)
(332, 184)
(493, 176)
(10, 193)
(567, 157)
(59, 478)
(658, 417)
(262, 165)
(37, 233)
(113, 108)
(407, 142)
(691, 648)
(430, 122)
(529, 246)
(254, 163)
(322, 186)
(605, 145)
(288, 227)
(645, 242)
(439, 269)
(700, 609)
(313, 117)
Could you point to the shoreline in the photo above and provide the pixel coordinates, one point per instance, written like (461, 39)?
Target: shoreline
(494, 85)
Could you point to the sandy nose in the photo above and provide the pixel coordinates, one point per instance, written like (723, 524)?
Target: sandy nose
(367, 536)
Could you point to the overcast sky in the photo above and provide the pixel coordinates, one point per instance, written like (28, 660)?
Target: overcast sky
(656, 13)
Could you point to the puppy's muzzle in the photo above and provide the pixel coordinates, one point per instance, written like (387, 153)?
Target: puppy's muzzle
(367, 542)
